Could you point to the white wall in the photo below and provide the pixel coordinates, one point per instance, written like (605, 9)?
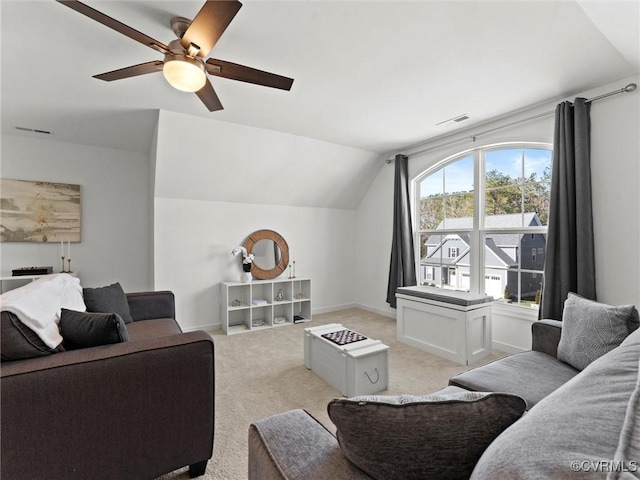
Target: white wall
(197, 162)
(194, 239)
(616, 197)
(116, 207)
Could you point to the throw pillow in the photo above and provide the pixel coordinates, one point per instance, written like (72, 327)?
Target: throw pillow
(17, 341)
(421, 437)
(590, 329)
(109, 299)
(84, 329)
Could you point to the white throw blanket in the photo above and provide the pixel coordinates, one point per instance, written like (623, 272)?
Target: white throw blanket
(38, 304)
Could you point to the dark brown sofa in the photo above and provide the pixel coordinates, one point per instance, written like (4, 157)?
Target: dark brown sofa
(133, 410)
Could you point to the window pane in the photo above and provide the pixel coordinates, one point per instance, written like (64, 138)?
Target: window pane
(537, 165)
(503, 167)
(444, 261)
(513, 266)
(502, 201)
(536, 201)
(432, 185)
(431, 212)
(458, 176)
(458, 211)
(430, 260)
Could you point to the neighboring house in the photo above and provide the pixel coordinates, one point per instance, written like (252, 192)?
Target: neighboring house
(507, 256)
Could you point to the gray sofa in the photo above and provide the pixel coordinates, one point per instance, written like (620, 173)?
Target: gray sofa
(133, 410)
(578, 424)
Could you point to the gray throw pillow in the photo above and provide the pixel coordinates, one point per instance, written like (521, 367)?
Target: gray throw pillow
(109, 299)
(85, 329)
(17, 341)
(590, 329)
(421, 437)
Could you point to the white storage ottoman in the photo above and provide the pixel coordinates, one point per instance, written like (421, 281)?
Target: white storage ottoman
(358, 368)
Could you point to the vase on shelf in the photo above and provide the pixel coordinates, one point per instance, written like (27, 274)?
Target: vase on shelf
(246, 277)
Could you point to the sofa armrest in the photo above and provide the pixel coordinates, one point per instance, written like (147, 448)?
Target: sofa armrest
(130, 410)
(150, 305)
(295, 446)
(546, 336)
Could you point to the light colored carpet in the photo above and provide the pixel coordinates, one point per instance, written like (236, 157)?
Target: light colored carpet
(262, 373)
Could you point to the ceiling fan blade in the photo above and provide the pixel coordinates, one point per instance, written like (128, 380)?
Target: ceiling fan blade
(133, 71)
(209, 97)
(115, 24)
(209, 25)
(234, 71)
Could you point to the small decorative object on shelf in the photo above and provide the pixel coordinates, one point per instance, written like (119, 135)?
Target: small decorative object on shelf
(279, 296)
(299, 295)
(247, 262)
(63, 270)
(290, 276)
(235, 303)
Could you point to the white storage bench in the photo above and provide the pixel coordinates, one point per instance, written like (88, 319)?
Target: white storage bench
(452, 324)
(358, 368)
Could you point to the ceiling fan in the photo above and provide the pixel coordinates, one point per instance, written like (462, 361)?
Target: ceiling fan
(184, 66)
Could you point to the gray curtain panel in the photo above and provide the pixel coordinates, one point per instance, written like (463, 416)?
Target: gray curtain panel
(570, 260)
(402, 271)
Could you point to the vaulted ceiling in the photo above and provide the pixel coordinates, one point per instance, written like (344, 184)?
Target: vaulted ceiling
(374, 75)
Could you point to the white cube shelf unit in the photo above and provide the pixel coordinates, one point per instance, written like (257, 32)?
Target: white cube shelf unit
(246, 307)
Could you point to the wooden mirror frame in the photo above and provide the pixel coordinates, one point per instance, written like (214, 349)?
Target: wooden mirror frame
(254, 238)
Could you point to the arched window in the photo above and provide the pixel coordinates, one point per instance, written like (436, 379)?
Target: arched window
(482, 221)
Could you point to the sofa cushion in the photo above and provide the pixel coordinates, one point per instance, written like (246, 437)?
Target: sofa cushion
(581, 421)
(538, 374)
(421, 437)
(17, 341)
(591, 329)
(109, 299)
(86, 329)
(160, 327)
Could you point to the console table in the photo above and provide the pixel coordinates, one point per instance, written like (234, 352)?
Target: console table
(451, 324)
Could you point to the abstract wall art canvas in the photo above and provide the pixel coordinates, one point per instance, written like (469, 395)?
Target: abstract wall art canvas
(42, 212)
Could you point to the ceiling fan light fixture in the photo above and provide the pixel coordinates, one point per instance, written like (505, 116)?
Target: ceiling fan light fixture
(184, 73)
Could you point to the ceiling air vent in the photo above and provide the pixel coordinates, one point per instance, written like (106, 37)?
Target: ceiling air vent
(457, 119)
(34, 130)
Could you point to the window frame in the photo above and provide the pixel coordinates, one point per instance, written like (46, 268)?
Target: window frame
(479, 230)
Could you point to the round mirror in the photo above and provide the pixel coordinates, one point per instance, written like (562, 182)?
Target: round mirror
(271, 253)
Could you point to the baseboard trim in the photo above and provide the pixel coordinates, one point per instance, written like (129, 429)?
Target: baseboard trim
(505, 347)
(334, 308)
(379, 311)
(207, 328)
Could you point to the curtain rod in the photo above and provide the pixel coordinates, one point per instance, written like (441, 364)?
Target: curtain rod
(627, 89)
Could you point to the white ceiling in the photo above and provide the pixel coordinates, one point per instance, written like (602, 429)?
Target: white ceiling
(375, 75)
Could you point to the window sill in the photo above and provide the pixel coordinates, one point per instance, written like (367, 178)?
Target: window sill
(514, 310)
